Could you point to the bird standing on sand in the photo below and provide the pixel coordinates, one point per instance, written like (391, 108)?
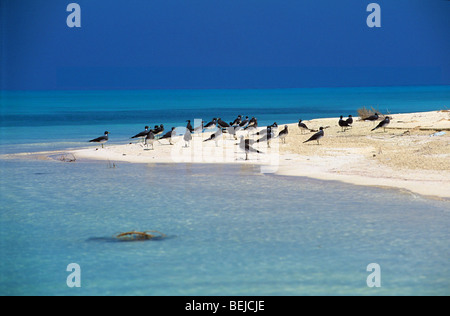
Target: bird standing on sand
(253, 123)
(142, 134)
(317, 136)
(237, 121)
(158, 130)
(282, 135)
(222, 123)
(349, 120)
(383, 124)
(244, 122)
(150, 139)
(102, 139)
(372, 117)
(189, 126)
(212, 124)
(343, 124)
(244, 145)
(169, 135)
(274, 127)
(302, 126)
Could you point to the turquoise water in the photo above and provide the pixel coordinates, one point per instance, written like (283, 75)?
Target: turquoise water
(230, 229)
(51, 120)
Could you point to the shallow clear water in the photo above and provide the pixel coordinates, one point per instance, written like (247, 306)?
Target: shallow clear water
(231, 231)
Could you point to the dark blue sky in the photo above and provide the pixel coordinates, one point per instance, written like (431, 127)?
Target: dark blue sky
(152, 44)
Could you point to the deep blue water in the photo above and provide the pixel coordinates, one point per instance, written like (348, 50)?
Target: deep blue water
(231, 230)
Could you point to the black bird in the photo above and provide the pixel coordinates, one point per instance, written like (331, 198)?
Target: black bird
(372, 117)
(245, 146)
(282, 135)
(158, 130)
(222, 123)
(237, 121)
(349, 120)
(274, 124)
(211, 124)
(383, 124)
(189, 126)
(155, 129)
(244, 122)
(253, 123)
(317, 136)
(343, 124)
(142, 134)
(150, 139)
(102, 139)
(302, 126)
(169, 135)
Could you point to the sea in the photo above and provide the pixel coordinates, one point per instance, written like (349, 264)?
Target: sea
(229, 230)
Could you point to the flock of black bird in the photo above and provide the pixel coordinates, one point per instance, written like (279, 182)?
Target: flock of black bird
(149, 136)
(344, 124)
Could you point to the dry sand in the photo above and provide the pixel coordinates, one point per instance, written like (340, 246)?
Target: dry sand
(405, 156)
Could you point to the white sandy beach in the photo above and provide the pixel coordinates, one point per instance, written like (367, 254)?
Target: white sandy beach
(407, 156)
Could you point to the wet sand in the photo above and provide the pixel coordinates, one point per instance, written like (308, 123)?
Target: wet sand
(408, 155)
